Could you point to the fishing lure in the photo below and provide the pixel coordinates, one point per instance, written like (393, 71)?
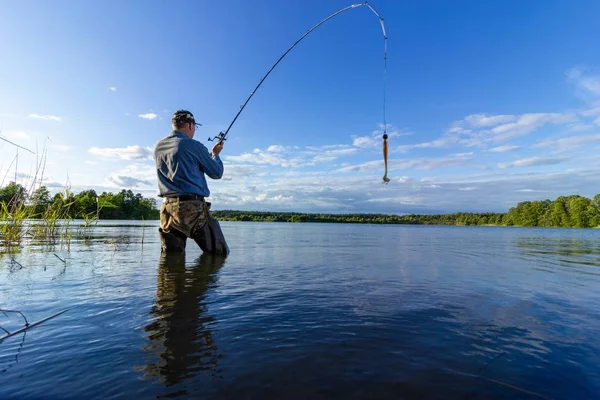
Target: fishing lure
(222, 136)
(385, 156)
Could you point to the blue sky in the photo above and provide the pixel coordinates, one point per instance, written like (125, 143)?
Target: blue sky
(488, 103)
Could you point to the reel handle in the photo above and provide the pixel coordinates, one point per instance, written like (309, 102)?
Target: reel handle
(220, 136)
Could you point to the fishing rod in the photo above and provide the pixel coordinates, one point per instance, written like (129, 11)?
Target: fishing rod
(222, 136)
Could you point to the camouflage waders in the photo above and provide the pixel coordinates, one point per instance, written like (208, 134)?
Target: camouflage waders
(182, 219)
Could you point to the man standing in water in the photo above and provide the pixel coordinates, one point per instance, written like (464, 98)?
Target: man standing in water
(181, 163)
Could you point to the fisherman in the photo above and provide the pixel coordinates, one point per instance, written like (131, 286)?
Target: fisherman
(181, 163)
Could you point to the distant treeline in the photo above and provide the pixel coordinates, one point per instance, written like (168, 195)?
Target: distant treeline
(84, 205)
(565, 212)
(413, 219)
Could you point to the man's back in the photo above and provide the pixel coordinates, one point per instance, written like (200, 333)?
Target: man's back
(181, 163)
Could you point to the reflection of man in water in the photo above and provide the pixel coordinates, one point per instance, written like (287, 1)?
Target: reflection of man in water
(179, 335)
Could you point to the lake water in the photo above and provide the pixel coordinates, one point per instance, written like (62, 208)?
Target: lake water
(308, 311)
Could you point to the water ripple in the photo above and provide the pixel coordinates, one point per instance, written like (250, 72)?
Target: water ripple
(309, 311)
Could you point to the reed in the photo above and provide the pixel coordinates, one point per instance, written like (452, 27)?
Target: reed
(22, 216)
(12, 219)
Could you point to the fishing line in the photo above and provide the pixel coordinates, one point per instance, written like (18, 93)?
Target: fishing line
(222, 136)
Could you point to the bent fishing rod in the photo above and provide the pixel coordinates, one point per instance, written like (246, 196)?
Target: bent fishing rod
(222, 136)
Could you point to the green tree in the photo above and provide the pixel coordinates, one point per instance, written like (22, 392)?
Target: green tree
(40, 200)
(13, 195)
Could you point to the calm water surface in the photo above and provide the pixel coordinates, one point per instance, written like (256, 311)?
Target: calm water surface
(308, 311)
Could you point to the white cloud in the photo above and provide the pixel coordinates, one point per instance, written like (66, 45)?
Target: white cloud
(261, 157)
(503, 149)
(148, 116)
(501, 128)
(128, 153)
(413, 163)
(528, 190)
(331, 155)
(528, 123)
(586, 82)
(404, 179)
(46, 117)
(437, 143)
(280, 156)
(376, 137)
(569, 143)
(484, 120)
(591, 112)
(61, 147)
(276, 148)
(398, 200)
(112, 89)
(532, 161)
(137, 174)
(580, 127)
(364, 141)
(128, 181)
(16, 135)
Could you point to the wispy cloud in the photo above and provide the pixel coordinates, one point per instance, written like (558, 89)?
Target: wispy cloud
(276, 148)
(528, 190)
(293, 156)
(569, 143)
(501, 128)
(112, 89)
(528, 123)
(591, 112)
(16, 135)
(375, 138)
(504, 149)
(148, 116)
(128, 181)
(532, 161)
(579, 127)
(586, 81)
(127, 153)
(434, 144)
(413, 163)
(262, 157)
(136, 173)
(481, 130)
(483, 120)
(328, 153)
(46, 117)
(61, 147)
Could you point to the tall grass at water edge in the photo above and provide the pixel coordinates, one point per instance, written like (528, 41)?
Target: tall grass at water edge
(23, 218)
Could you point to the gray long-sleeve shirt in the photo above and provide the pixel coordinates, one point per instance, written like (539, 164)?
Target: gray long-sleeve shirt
(181, 163)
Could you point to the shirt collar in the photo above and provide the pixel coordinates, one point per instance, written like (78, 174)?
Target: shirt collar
(177, 133)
